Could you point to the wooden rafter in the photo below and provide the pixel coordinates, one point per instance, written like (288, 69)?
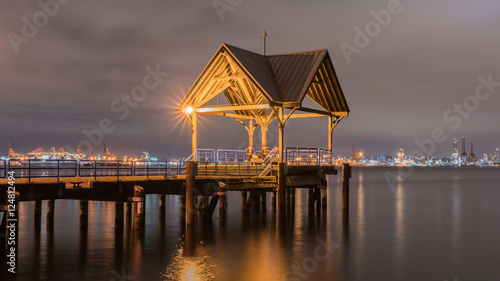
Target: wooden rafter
(232, 108)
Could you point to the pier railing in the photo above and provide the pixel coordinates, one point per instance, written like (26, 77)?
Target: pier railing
(226, 169)
(37, 168)
(219, 155)
(3, 170)
(301, 156)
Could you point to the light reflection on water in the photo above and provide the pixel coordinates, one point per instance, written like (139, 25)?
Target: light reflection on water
(189, 268)
(434, 225)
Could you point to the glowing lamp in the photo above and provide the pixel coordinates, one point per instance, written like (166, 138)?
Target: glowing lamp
(188, 110)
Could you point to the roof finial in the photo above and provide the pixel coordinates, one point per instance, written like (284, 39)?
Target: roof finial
(265, 36)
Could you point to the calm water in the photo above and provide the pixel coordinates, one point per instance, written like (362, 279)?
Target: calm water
(435, 224)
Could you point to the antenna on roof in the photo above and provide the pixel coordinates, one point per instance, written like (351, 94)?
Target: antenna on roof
(265, 36)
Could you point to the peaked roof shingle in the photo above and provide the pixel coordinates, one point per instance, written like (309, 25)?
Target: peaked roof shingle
(294, 72)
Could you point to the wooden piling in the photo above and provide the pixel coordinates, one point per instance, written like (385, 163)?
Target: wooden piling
(281, 189)
(253, 202)
(51, 207)
(222, 201)
(182, 204)
(161, 206)
(317, 198)
(292, 196)
(263, 201)
(189, 241)
(37, 213)
(128, 212)
(273, 201)
(256, 201)
(244, 195)
(139, 203)
(118, 215)
(84, 214)
(310, 196)
(346, 175)
(191, 168)
(324, 198)
(288, 196)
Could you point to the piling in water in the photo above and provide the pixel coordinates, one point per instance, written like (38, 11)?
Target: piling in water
(191, 168)
(139, 203)
(346, 175)
(51, 204)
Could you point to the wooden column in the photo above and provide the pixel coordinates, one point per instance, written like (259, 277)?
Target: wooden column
(324, 192)
(346, 175)
(330, 133)
(139, 210)
(281, 127)
(263, 129)
(191, 168)
(51, 207)
(194, 138)
(251, 129)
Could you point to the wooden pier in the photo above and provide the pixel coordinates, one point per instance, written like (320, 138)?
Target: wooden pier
(259, 90)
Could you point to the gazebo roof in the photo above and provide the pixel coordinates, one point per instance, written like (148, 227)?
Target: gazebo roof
(250, 81)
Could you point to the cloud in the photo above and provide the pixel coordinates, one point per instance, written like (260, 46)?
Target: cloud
(91, 52)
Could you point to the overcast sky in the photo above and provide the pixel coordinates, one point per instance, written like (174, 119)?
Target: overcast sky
(414, 68)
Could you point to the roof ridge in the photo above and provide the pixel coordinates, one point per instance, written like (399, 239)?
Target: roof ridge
(296, 53)
(226, 44)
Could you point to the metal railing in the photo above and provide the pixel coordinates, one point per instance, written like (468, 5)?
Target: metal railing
(208, 166)
(231, 155)
(267, 163)
(3, 169)
(237, 168)
(300, 156)
(326, 157)
(202, 154)
(35, 168)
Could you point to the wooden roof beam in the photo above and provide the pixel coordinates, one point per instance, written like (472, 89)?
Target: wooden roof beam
(229, 77)
(232, 115)
(231, 108)
(288, 104)
(307, 115)
(323, 113)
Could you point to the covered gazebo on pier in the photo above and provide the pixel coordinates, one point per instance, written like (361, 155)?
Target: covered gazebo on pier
(261, 88)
